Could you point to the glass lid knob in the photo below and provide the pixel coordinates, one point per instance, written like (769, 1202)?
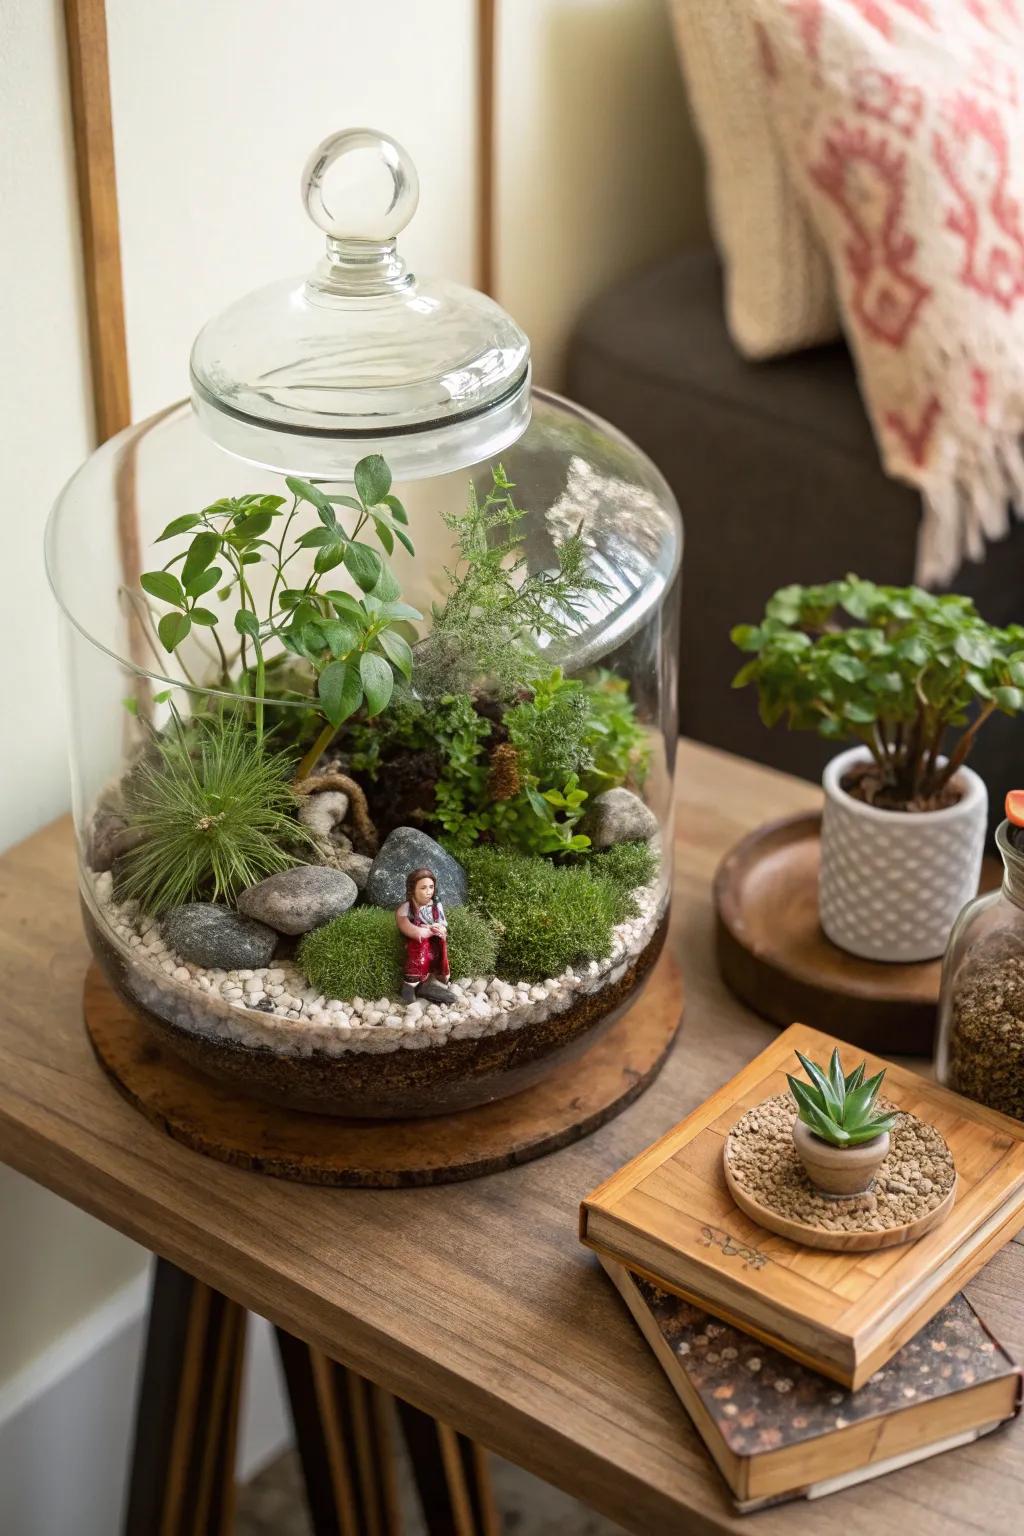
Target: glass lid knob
(360, 185)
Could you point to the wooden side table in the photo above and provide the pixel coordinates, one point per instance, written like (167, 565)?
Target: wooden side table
(472, 1302)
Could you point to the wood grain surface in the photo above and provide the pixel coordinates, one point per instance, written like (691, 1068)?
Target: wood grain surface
(220, 1121)
(774, 955)
(473, 1301)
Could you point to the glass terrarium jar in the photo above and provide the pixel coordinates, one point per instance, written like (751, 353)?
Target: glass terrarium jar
(981, 1004)
(370, 605)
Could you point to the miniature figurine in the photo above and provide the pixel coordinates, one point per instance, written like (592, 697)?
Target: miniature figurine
(421, 922)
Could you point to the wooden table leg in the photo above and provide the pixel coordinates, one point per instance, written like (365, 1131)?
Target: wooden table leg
(345, 1430)
(186, 1428)
(452, 1477)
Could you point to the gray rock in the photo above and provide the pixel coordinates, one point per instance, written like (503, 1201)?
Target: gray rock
(618, 816)
(214, 936)
(405, 849)
(356, 865)
(296, 900)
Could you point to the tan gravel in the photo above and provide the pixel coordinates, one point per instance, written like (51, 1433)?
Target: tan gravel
(915, 1176)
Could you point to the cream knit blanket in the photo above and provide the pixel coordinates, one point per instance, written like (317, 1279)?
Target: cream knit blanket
(903, 125)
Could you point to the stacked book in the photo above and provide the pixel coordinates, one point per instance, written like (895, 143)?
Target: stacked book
(807, 1370)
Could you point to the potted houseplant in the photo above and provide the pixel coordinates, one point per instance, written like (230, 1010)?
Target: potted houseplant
(840, 1135)
(909, 678)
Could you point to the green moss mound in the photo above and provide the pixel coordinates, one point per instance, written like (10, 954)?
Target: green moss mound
(627, 866)
(360, 953)
(472, 944)
(547, 916)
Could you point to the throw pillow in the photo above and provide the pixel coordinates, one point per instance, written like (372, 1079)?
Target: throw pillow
(903, 123)
(778, 285)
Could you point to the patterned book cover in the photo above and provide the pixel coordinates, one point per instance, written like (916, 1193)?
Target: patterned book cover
(759, 1401)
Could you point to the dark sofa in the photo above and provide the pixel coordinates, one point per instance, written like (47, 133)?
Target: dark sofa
(778, 479)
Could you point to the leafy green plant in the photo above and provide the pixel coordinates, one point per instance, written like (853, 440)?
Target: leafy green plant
(910, 669)
(215, 813)
(354, 646)
(483, 633)
(840, 1109)
(360, 953)
(547, 916)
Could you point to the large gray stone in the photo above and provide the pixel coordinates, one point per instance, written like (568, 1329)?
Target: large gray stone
(618, 816)
(214, 936)
(405, 849)
(296, 900)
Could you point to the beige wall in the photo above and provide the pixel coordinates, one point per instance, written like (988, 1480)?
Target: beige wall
(598, 169)
(216, 106)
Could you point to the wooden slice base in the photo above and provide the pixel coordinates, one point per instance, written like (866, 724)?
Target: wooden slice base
(392, 1154)
(773, 954)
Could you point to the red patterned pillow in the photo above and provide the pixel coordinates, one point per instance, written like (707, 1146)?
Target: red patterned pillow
(903, 126)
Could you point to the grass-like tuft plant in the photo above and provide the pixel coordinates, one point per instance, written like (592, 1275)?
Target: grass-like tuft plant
(840, 1109)
(547, 916)
(360, 953)
(215, 813)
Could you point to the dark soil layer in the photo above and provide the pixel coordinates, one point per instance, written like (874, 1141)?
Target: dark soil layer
(865, 783)
(434, 1080)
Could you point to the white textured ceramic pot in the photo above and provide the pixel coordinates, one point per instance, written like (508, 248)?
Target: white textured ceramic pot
(893, 882)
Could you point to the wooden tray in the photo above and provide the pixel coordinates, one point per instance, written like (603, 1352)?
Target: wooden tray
(811, 1236)
(669, 1214)
(387, 1154)
(773, 954)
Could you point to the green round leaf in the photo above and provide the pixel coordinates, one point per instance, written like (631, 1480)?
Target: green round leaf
(203, 616)
(397, 650)
(364, 565)
(342, 638)
(173, 629)
(179, 525)
(372, 479)
(164, 586)
(340, 691)
(246, 623)
(378, 681)
(200, 553)
(206, 582)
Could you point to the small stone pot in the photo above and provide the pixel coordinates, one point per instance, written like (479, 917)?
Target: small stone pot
(839, 1171)
(893, 882)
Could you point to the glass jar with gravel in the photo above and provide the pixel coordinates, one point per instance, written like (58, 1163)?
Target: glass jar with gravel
(981, 1004)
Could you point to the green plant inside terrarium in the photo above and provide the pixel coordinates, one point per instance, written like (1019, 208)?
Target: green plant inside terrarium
(455, 724)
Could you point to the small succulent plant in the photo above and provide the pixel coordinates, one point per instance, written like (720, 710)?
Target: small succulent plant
(840, 1109)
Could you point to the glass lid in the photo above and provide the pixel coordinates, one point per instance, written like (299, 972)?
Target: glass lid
(310, 374)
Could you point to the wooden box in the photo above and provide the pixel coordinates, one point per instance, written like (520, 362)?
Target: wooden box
(669, 1216)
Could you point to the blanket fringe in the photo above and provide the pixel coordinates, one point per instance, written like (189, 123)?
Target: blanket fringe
(968, 508)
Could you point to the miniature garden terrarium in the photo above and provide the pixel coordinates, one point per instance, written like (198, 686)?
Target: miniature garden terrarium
(371, 655)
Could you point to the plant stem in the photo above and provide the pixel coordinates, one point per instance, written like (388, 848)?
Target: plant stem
(963, 746)
(315, 753)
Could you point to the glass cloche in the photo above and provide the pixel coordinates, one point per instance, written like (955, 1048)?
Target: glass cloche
(371, 660)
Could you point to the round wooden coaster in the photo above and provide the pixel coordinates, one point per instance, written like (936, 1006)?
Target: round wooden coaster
(377, 1154)
(810, 1235)
(773, 954)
